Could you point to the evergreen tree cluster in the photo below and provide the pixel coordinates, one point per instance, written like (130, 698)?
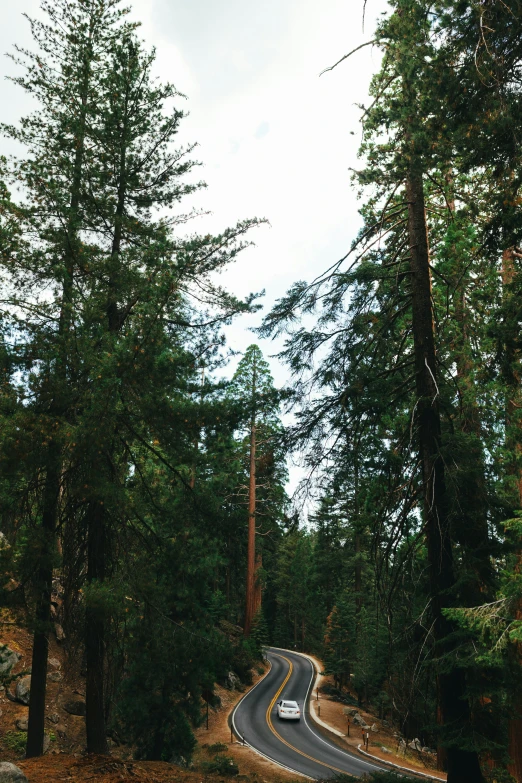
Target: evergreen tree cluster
(122, 449)
(149, 493)
(407, 391)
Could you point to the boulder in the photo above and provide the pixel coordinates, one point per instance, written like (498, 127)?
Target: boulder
(54, 663)
(46, 743)
(415, 744)
(54, 718)
(359, 721)
(11, 774)
(22, 723)
(385, 749)
(61, 730)
(75, 706)
(351, 711)
(22, 690)
(232, 682)
(58, 632)
(54, 676)
(374, 727)
(8, 658)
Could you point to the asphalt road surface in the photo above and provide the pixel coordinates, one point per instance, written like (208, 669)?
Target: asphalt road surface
(296, 745)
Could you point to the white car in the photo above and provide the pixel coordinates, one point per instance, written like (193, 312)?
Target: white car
(288, 710)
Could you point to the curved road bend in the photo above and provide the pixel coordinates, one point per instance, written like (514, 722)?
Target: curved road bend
(296, 745)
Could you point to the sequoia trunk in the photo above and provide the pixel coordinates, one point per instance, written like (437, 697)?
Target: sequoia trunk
(463, 765)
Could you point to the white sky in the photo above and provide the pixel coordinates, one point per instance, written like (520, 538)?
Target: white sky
(275, 139)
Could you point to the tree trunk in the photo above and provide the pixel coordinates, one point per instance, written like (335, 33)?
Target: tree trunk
(258, 592)
(96, 525)
(35, 731)
(95, 634)
(471, 525)
(513, 445)
(251, 551)
(358, 575)
(463, 765)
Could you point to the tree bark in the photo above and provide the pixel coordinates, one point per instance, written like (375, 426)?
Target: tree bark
(95, 634)
(251, 549)
(36, 727)
(258, 591)
(463, 765)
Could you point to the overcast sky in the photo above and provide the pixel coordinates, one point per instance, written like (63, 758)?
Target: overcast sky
(276, 140)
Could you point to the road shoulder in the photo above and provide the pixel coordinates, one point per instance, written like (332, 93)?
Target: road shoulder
(330, 719)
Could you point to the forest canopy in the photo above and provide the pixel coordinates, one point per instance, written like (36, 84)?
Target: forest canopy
(145, 483)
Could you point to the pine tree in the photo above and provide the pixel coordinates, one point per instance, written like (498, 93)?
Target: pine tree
(102, 167)
(379, 317)
(64, 75)
(252, 385)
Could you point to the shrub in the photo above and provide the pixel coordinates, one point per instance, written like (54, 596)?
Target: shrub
(221, 765)
(15, 741)
(217, 747)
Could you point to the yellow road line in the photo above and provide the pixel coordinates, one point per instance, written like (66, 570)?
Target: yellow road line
(271, 727)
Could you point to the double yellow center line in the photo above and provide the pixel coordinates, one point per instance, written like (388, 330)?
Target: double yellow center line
(279, 737)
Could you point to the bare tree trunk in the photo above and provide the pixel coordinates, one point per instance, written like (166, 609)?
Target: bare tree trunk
(35, 731)
(251, 551)
(463, 765)
(95, 634)
(258, 594)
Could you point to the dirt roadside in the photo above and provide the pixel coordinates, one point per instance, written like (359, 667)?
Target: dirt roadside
(329, 713)
(59, 766)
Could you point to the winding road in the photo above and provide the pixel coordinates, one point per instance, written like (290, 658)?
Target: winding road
(296, 745)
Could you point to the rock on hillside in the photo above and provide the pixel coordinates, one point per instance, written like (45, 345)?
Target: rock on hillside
(8, 658)
(11, 774)
(23, 690)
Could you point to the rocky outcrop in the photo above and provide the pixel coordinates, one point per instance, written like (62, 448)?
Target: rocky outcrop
(8, 658)
(11, 774)
(23, 690)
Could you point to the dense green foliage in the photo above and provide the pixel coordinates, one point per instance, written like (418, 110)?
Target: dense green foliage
(422, 466)
(131, 471)
(122, 452)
